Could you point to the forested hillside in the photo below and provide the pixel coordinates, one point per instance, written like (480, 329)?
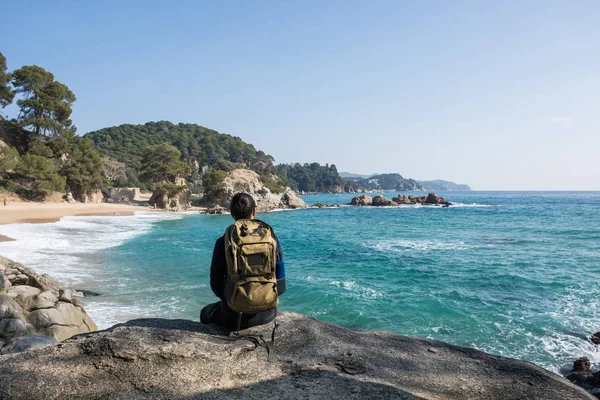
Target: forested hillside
(310, 177)
(383, 182)
(128, 143)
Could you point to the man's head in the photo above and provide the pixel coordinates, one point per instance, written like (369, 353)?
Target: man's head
(242, 206)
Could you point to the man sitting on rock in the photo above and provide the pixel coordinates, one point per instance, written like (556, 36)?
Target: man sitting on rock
(247, 272)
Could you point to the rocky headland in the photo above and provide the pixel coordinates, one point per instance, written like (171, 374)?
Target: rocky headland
(218, 199)
(382, 201)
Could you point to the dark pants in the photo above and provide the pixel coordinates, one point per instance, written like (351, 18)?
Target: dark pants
(220, 314)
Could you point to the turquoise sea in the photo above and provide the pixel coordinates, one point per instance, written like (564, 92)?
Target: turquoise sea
(512, 273)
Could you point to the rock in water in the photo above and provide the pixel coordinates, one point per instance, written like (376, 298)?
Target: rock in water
(595, 338)
(290, 200)
(179, 359)
(362, 200)
(432, 198)
(381, 201)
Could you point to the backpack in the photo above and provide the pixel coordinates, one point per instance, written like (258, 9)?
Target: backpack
(251, 256)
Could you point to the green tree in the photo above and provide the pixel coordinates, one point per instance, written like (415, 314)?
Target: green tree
(83, 169)
(9, 159)
(41, 172)
(46, 104)
(162, 163)
(214, 180)
(6, 93)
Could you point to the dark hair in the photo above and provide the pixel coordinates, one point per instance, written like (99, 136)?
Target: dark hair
(242, 206)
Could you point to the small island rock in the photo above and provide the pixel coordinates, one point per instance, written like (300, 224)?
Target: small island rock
(362, 200)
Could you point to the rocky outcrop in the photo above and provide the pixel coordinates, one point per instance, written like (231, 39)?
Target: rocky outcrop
(120, 195)
(582, 375)
(362, 200)
(94, 197)
(381, 201)
(310, 359)
(322, 205)
(244, 180)
(171, 197)
(290, 200)
(32, 304)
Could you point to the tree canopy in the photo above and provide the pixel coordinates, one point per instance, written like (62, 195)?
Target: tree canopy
(6, 93)
(83, 168)
(45, 106)
(311, 177)
(197, 144)
(161, 163)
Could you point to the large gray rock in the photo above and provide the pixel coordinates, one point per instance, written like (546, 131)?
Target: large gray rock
(290, 200)
(40, 305)
(381, 201)
(247, 181)
(166, 198)
(179, 359)
(362, 200)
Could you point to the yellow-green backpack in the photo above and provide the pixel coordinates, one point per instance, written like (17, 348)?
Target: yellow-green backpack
(251, 255)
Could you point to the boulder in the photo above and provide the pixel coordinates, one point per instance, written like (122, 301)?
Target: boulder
(401, 199)
(247, 181)
(310, 359)
(583, 376)
(290, 200)
(595, 338)
(22, 343)
(44, 282)
(432, 198)
(94, 196)
(381, 201)
(23, 291)
(362, 200)
(216, 210)
(43, 300)
(41, 305)
(172, 198)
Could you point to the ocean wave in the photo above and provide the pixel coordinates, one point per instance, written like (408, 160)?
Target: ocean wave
(403, 246)
(349, 287)
(473, 205)
(57, 248)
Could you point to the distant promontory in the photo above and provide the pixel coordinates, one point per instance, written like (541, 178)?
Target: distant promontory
(441, 185)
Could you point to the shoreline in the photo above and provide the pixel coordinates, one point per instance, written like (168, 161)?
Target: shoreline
(39, 213)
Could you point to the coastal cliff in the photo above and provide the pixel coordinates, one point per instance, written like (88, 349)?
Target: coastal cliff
(181, 359)
(244, 180)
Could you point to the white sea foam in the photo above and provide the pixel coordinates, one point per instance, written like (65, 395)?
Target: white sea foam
(57, 248)
(351, 287)
(403, 246)
(473, 205)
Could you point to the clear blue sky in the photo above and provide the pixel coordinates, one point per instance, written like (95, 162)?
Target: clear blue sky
(500, 95)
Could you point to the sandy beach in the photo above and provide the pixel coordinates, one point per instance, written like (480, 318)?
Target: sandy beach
(26, 212)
